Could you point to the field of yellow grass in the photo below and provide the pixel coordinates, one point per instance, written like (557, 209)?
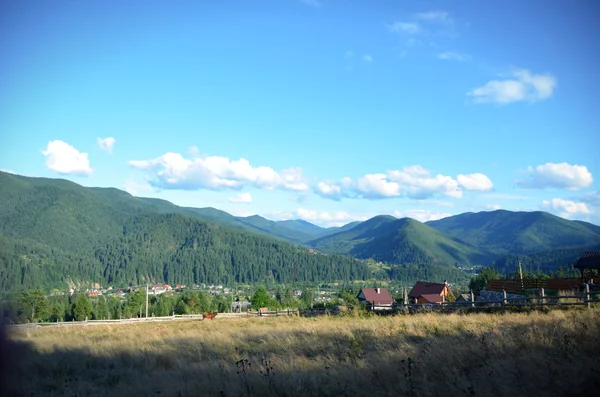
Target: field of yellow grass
(549, 354)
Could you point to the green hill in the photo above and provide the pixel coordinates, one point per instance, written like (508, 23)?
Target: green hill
(53, 232)
(504, 232)
(400, 241)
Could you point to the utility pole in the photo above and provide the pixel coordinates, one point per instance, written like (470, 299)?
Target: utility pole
(146, 300)
(520, 273)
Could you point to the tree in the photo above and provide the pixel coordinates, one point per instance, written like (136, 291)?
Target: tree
(181, 307)
(479, 282)
(33, 305)
(100, 311)
(260, 298)
(82, 309)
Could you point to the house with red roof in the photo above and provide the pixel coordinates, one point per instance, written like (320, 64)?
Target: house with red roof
(376, 298)
(425, 292)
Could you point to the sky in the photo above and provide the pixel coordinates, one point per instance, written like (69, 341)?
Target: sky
(327, 111)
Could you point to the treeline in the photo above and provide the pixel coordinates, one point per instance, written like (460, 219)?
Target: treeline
(32, 305)
(172, 249)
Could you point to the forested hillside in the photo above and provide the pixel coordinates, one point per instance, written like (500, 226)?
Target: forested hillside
(174, 249)
(54, 232)
(401, 241)
(505, 232)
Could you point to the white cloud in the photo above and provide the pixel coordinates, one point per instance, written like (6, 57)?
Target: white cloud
(65, 159)
(173, 171)
(435, 16)
(405, 27)
(418, 183)
(565, 208)
(493, 207)
(476, 181)
(367, 58)
(194, 151)
(8, 171)
(376, 186)
(525, 87)
(454, 56)
(414, 182)
(241, 198)
(422, 215)
(560, 176)
(106, 144)
(328, 218)
(134, 188)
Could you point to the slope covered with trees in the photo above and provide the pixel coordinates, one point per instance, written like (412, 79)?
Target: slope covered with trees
(504, 232)
(401, 241)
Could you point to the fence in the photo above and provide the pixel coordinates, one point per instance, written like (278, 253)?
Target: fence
(175, 317)
(517, 286)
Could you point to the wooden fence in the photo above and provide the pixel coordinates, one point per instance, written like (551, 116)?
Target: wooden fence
(517, 286)
(540, 301)
(175, 317)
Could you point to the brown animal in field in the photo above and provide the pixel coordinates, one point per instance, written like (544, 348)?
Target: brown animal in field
(209, 315)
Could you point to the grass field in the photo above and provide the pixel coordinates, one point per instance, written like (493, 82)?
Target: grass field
(549, 354)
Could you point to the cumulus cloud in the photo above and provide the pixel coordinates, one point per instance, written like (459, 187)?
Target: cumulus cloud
(173, 171)
(328, 218)
(454, 56)
(422, 215)
(414, 182)
(493, 207)
(367, 58)
(419, 184)
(524, 86)
(435, 16)
(194, 151)
(134, 188)
(106, 144)
(565, 208)
(241, 198)
(65, 159)
(559, 176)
(479, 182)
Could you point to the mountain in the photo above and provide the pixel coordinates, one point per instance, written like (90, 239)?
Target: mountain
(387, 239)
(54, 232)
(504, 232)
(302, 226)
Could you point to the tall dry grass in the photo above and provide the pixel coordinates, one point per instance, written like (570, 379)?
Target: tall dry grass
(553, 354)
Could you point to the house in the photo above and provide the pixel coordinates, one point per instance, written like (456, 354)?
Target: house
(464, 298)
(424, 292)
(376, 298)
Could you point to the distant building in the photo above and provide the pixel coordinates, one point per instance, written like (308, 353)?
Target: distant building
(464, 298)
(376, 298)
(424, 292)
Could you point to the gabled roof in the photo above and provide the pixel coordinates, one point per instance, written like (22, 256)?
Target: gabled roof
(589, 260)
(381, 298)
(424, 288)
(432, 298)
(466, 297)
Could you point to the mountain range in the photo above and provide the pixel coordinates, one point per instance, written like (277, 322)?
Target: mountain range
(54, 231)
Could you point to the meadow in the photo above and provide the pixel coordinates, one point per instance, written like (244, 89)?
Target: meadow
(551, 354)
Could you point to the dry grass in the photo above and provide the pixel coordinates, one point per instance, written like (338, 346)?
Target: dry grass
(427, 354)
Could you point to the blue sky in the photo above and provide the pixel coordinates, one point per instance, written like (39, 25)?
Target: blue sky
(328, 111)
